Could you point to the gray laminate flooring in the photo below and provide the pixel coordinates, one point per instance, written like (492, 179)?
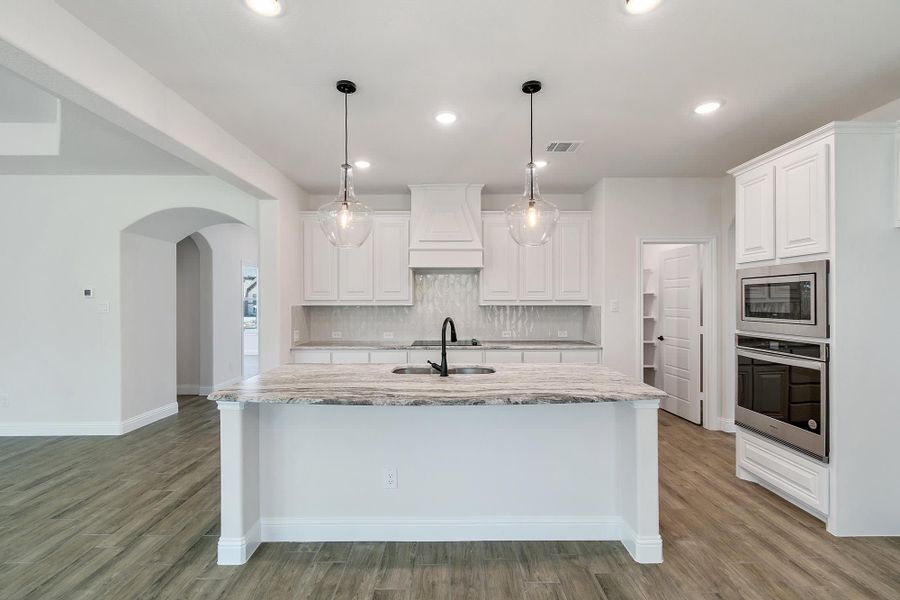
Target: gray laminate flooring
(137, 517)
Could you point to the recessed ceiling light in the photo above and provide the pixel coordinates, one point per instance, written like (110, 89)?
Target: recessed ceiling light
(266, 8)
(362, 164)
(640, 7)
(540, 164)
(445, 118)
(708, 107)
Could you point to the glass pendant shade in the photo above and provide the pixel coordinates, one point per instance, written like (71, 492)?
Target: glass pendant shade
(532, 220)
(346, 221)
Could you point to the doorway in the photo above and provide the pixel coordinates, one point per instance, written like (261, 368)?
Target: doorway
(250, 321)
(677, 328)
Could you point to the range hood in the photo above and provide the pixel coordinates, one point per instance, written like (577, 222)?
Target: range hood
(445, 225)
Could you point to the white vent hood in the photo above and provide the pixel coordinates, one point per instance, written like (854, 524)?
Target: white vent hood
(445, 225)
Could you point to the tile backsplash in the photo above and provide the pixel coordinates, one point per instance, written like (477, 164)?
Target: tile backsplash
(438, 295)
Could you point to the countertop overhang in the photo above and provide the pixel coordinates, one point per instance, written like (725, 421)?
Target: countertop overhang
(376, 385)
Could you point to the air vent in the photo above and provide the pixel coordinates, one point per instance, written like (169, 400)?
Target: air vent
(568, 147)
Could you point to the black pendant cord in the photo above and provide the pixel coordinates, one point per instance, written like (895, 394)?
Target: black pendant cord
(346, 165)
(531, 146)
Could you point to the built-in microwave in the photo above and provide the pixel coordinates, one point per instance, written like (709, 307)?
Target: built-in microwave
(787, 299)
(782, 391)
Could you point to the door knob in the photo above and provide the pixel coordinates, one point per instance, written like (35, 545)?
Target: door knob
(661, 338)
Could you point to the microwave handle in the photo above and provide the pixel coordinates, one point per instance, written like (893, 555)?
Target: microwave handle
(783, 359)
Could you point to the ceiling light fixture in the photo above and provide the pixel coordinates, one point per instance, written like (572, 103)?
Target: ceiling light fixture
(266, 8)
(346, 221)
(531, 220)
(708, 107)
(540, 164)
(445, 118)
(640, 7)
(362, 164)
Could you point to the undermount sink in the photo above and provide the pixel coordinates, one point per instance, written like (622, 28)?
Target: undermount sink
(450, 371)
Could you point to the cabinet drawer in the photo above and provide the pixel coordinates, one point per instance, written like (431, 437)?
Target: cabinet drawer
(581, 356)
(388, 357)
(540, 356)
(797, 476)
(312, 357)
(502, 356)
(350, 357)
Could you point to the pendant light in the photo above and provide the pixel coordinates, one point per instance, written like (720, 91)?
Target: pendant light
(531, 220)
(346, 221)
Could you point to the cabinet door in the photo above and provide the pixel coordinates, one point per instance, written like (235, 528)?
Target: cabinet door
(392, 259)
(320, 264)
(536, 272)
(355, 273)
(571, 259)
(500, 276)
(755, 215)
(801, 201)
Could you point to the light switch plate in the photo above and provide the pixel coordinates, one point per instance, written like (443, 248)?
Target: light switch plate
(562, 333)
(103, 307)
(614, 305)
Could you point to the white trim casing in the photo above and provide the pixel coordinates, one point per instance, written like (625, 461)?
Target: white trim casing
(236, 551)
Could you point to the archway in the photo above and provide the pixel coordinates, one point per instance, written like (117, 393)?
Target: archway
(151, 333)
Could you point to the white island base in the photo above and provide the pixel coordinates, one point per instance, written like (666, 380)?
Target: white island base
(311, 473)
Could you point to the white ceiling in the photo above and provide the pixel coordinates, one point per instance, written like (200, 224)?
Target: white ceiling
(625, 85)
(89, 145)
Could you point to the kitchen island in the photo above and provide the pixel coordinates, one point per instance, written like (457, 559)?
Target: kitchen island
(361, 453)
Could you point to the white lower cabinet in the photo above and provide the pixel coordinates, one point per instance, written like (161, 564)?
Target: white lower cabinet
(587, 357)
(387, 357)
(311, 357)
(541, 356)
(792, 474)
(502, 356)
(350, 357)
(454, 357)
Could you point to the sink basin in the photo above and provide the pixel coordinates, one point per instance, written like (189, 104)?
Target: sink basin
(450, 371)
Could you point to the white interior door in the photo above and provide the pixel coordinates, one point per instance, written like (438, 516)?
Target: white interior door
(680, 330)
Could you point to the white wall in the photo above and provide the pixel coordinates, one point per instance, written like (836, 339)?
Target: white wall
(232, 245)
(885, 112)
(189, 279)
(63, 373)
(148, 326)
(626, 209)
(488, 201)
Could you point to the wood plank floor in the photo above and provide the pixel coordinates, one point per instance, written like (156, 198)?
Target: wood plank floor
(137, 517)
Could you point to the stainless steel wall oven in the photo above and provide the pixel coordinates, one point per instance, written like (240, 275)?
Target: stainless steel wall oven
(782, 391)
(787, 299)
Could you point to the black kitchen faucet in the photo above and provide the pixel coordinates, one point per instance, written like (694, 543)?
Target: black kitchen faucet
(443, 366)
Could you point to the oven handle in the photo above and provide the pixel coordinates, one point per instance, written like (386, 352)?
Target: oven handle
(782, 359)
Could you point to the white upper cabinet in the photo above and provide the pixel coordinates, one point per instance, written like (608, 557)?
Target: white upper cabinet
(320, 264)
(375, 273)
(500, 276)
(755, 214)
(392, 274)
(355, 280)
(801, 201)
(559, 272)
(571, 259)
(536, 272)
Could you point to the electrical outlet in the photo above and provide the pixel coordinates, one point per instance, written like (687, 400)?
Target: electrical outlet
(4, 400)
(613, 306)
(562, 333)
(388, 335)
(103, 307)
(506, 334)
(390, 478)
(296, 335)
(336, 335)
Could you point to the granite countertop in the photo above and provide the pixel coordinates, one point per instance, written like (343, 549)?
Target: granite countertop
(485, 345)
(376, 385)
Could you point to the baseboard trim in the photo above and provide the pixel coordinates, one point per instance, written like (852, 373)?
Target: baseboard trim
(151, 416)
(645, 549)
(443, 530)
(50, 429)
(727, 425)
(87, 428)
(188, 389)
(237, 551)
